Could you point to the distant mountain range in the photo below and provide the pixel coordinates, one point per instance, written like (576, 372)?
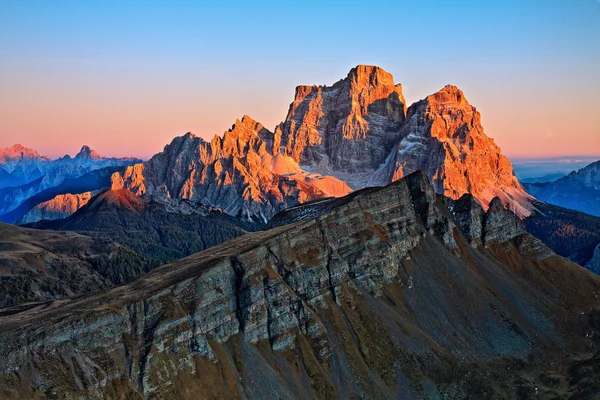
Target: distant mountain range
(548, 169)
(580, 190)
(24, 173)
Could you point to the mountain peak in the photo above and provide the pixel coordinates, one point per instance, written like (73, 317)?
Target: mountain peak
(449, 94)
(18, 152)
(345, 127)
(443, 135)
(86, 153)
(114, 200)
(370, 75)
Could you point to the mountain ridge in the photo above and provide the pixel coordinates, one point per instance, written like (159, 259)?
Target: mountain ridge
(579, 190)
(334, 139)
(382, 296)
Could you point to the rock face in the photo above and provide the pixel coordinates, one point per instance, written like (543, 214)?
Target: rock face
(353, 134)
(443, 136)
(375, 295)
(235, 172)
(348, 127)
(580, 190)
(40, 173)
(61, 206)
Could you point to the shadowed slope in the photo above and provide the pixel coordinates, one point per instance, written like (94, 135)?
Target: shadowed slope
(381, 297)
(163, 231)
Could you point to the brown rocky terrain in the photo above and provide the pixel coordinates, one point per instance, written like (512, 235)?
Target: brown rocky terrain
(390, 292)
(40, 265)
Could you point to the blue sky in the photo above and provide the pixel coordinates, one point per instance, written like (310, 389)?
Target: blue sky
(122, 74)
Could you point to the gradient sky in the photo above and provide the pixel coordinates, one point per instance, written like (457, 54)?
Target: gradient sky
(127, 78)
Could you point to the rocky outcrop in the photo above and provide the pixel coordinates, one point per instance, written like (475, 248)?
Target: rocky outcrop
(499, 224)
(368, 298)
(235, 172)
(469, 216)
(61, 206)
(351, 135)
(443, 136)
(348, 127)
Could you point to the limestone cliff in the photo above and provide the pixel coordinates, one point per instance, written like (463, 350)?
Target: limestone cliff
(443, 137)
(61, 206)
(348, 127)
(235, 172)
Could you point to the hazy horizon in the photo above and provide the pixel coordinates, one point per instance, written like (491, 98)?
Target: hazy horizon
(126, 79)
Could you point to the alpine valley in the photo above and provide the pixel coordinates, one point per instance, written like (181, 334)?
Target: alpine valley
(363, 248)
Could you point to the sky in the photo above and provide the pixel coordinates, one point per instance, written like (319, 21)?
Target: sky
(125, 77)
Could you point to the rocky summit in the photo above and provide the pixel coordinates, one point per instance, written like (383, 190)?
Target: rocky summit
(443, 136)
(354, 134)
(235, 172)
(392, 292)
(348, 127)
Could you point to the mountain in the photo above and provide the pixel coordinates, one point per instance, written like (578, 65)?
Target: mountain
(6, 179)
(235, 173)
(571, 234)
(443, 137)
(59, 207)
(348, 127)
(165, 231)
(390, 292)
(543, 178)
(335, 139)
(43, 266)
(98, 179)
(47, 173)
(580, 190)
(20, 165)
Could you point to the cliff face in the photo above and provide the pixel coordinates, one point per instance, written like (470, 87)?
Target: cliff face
(443, 137)
(378, 294)
(353, 134)
(348, 127)
(61, 206)
(235, 172)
